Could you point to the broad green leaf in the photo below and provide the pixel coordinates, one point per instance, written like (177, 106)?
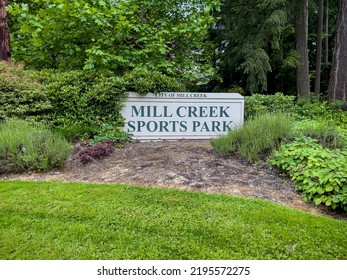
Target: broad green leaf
(317, 201)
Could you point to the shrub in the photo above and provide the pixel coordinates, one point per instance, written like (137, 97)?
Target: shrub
(21, 94)
(258, 136)
(144, 81)
(89, 152)
(87, 104)
(318, 172)
(311, 109)
(77, 104)
(327, 134)
(76, 131)
(258, 104)
(330, 113)
(110, 132)
(28, 146)
(84, 100)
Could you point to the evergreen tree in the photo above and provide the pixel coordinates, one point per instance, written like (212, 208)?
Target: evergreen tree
(252, 46)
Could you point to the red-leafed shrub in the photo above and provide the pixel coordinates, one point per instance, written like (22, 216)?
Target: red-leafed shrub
(90, 152)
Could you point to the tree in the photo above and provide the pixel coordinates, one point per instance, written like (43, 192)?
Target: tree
(5, 50)
(301, 35)
(119, 35)
(271, 46)
(252, 38)
(338, 78)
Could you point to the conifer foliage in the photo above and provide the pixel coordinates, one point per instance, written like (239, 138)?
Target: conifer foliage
(254, 32)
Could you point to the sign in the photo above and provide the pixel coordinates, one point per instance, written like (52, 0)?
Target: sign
(182, 115)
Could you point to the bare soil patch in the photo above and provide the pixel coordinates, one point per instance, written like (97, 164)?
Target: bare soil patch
(184, 164)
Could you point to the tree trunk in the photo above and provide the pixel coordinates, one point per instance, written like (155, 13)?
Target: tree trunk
(326, 61)
(319, 47)
(338, 76)
(5, 50)
(301, 35)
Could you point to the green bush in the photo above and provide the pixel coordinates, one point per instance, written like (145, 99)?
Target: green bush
(84, 100)
(258, 104)
(75, 131)
(28, 146)
(330, 113)
(110, 132)
(311, 109)
(21, 94)
(87, 104)
(320, 173)
(144, 81)
(77, 104)
(327, 134)
(258, 136)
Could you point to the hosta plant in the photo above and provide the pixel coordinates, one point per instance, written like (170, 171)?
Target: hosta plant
(320, 173)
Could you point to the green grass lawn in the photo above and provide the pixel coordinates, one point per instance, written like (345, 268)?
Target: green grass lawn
(89, 221)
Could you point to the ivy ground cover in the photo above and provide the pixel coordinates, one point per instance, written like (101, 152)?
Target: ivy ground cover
(87, 221)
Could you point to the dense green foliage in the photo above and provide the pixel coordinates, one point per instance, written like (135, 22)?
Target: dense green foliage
(318, 172)
(258, 104)
(26, 146)
(257, 45)
(119, 35)
(88, 103)
(110, 132)
(21, 95)
(84, 100)
(254, 31)
(216, 44)
(315, 109)
(328, 135)
(85, 221)
(316, 160)
(321, 110)
(257, 137)
(143, 81)
(78, 104)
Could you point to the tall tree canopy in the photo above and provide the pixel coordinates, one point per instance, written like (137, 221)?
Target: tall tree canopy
(116, 34)
(269, 46)
(259, 45)
(254, 31)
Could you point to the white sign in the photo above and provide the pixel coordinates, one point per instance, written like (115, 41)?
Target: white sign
(182, 115)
